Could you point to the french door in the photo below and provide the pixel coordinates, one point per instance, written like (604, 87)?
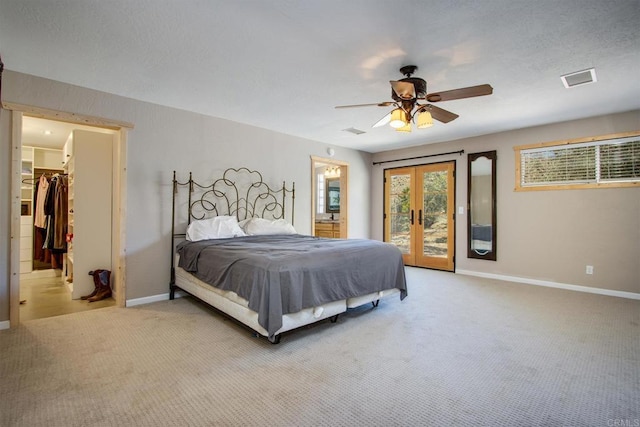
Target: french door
(419, 214)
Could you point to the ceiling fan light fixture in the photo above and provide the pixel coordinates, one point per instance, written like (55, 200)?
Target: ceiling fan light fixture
(398, 118)
(424, 120)
(407, 92)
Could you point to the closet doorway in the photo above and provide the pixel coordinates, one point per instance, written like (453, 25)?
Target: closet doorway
(419, 214)
(45, 286)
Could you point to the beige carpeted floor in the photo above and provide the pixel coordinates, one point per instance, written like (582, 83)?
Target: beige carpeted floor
(459, 351)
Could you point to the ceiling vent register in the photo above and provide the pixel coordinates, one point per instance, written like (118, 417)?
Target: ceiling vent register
(579, 78)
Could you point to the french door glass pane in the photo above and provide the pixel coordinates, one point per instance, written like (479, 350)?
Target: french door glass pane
(434, 221)
(400, 211)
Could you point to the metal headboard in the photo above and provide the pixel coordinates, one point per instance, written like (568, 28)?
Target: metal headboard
(239, 192)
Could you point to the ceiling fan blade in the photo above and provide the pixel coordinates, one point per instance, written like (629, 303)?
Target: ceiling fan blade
(441, 115)
(383, 121)
(379, 104)
(466, 92)
(404, 90)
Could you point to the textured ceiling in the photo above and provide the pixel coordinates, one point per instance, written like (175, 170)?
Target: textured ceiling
(283, 65)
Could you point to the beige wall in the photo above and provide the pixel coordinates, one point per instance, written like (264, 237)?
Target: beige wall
(163, 140)
(543, 235)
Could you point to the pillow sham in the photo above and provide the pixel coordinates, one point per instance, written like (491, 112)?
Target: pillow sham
(262, 226)
(218, 227)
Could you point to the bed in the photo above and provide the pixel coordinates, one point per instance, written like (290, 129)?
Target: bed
(234, 247)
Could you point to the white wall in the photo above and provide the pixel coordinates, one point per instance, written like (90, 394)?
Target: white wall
(543, 235)
(164, 140)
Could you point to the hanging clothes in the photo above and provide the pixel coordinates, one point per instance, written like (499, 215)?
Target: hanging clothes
(42, 187)
(56, 213)
(49, 212)
(61, 214)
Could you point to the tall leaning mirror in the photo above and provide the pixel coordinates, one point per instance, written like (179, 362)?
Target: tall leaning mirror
(481, 205)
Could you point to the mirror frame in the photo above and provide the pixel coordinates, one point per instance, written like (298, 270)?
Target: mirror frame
(328, 207)
(472, 253)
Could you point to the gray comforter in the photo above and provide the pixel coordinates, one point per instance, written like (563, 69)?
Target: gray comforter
(282, 274)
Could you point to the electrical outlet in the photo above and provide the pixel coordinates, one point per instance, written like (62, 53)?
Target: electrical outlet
(589, 269)
(460, 210)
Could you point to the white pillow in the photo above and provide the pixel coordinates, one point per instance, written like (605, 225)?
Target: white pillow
(261, 226)
(218, 227)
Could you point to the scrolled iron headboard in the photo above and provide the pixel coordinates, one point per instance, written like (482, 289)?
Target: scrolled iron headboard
(240, 192)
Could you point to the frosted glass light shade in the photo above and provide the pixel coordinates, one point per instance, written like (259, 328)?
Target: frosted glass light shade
(424, 120)
(398, 118)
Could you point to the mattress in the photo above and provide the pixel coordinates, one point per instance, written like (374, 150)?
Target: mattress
(237, 307)
(283, 274)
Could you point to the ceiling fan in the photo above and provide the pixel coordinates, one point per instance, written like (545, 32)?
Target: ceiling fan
(408, 91)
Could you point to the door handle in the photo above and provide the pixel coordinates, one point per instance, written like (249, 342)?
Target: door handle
(420, 217)
(411, 216)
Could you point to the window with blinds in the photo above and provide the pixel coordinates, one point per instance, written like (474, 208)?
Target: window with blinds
(320, 194)
(603, 161)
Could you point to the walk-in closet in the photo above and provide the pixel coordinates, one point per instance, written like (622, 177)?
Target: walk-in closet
(66, 219)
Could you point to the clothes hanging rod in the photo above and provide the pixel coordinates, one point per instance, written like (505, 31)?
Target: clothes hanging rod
(461, 152)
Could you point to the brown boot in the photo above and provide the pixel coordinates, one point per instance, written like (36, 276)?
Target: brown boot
(104, 285)
(96, 284)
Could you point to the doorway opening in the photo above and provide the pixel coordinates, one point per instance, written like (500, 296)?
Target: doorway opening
(329, 198)
(42, 286)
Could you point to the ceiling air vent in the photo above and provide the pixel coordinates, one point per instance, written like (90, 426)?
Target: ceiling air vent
(579, 78)
(354, 131)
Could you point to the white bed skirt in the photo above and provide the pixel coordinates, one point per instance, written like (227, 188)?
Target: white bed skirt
(237, 307)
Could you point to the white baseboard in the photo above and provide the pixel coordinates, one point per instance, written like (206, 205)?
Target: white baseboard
(579, 288)
(4, 325)
(152, 298)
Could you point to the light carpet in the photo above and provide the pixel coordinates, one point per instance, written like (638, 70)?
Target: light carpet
(458, 351)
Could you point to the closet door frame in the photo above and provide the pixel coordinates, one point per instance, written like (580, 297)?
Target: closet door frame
(119, 197)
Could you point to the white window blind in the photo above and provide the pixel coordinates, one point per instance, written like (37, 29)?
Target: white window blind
(320, 194)
(605, 161)
(619, 162)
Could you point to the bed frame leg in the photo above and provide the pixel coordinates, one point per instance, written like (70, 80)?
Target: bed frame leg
(334, 319)
(274, 339)
(375, 303)
(172, 282)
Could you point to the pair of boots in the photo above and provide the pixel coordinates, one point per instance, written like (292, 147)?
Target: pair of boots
(102, 282)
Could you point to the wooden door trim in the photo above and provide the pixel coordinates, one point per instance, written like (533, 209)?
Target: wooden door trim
(344, 193)
(119, 206)
(447, 263)
(407, 258)
(417, 235)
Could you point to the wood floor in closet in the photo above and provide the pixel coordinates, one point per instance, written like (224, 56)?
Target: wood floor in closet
(46, 295)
